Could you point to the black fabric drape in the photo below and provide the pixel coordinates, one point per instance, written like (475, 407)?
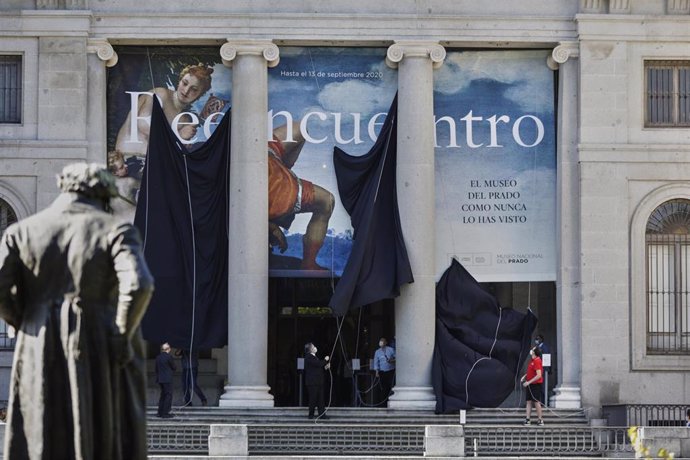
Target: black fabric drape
(469, 369)
(182, 212)
(378, 264)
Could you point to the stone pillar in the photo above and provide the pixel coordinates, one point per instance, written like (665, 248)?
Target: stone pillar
(414, 309)
(619, 6)
(677, 6)
(248, 268)
(591, 6)
(446, 441)
(568, 304)
(100, 55)
(228, 440)
(62, 88)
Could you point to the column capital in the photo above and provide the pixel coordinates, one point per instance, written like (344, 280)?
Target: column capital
(266, 48)
(562, 53)
(103, 49)
(411, 48)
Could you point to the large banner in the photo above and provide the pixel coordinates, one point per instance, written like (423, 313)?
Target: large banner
(318, 98)
(496, 165)
(495, 147)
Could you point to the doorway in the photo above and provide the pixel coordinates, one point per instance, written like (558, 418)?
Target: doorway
(299, 313)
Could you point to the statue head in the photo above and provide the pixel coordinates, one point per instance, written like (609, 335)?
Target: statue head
(91, 180)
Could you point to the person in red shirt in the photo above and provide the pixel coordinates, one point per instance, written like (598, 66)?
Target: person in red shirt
(532, 381)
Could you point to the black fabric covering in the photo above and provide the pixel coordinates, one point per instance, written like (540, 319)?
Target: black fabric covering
(378, 264)
(174, 252)
(467, 318)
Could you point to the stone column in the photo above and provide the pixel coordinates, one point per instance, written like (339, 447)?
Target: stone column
(248, 254)
(62, 91)
(568, 304)
(677, 6)
(414, 309)
(591, 6)
(100, 55)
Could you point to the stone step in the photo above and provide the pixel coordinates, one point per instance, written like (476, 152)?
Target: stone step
(348, 440)
(297, 415)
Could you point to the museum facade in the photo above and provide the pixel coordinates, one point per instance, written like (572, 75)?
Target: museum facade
(544, 145)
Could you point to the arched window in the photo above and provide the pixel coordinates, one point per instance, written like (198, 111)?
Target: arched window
(667, 253)
(7, 218)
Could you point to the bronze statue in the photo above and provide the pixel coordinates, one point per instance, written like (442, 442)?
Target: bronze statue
(74, 284)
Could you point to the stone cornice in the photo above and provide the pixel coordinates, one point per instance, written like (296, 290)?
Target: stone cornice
(293, 28)
(634, 153)
(37, 23)
(43, 149)
(265, 48)
(335, 29)
(625, 27)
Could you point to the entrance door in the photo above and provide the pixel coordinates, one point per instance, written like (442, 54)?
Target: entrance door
(298, 314)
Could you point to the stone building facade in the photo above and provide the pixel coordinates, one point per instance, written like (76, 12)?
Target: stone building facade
(613, 167)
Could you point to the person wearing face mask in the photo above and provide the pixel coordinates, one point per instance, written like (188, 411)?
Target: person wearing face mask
(384, 366)
(539, 343)
(314, 379)
(532, 381)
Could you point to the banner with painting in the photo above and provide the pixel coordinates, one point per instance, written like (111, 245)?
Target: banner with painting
(495, 147)
(496, 165)
(318, 98)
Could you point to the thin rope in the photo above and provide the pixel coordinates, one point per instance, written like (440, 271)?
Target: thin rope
(330, 373)
(498, 325)
(385, 155)
(193, 325)
(147, 166)
(148, 57)
(314, 70)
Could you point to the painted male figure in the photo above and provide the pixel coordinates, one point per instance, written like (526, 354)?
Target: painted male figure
(74, 284)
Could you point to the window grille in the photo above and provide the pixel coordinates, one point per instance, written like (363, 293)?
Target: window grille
(668, 278)
(7, 218)
(10, 89)
(668, 93)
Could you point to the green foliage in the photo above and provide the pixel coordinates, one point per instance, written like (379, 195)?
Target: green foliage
(643, 451)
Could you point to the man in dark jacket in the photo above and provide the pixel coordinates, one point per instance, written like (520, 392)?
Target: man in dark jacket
(74, 284)
(165, 366)
(313, 378)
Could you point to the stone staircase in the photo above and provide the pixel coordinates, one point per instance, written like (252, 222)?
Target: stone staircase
(208, 379)
(352, 432)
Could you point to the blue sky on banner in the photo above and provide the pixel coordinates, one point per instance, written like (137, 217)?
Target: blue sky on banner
(335, 83)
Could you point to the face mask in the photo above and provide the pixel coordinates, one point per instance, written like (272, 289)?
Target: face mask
(381, 344)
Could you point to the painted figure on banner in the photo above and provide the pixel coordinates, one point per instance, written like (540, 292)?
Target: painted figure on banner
(126, 159)
(132, 139)
(308, 235)
(75, 286)
(289, 195)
